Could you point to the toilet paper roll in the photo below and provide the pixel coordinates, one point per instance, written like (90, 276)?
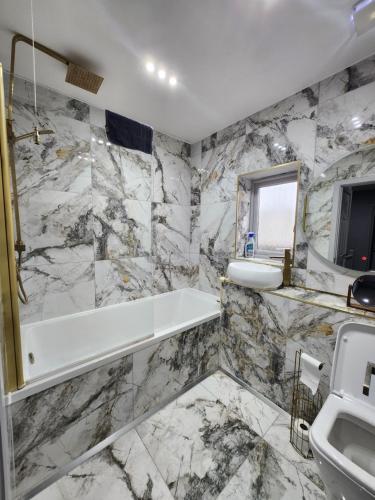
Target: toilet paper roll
(311, 371)
(301, 436)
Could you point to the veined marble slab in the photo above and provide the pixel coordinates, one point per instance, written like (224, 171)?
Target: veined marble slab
(199, 446)
(55, 426)
(123, 471)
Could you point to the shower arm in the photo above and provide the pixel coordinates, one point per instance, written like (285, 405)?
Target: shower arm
(42, 48)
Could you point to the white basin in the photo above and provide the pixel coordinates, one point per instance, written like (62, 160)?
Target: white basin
(253, 275)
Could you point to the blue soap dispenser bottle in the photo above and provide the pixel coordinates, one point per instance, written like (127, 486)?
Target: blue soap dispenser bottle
(250, 245)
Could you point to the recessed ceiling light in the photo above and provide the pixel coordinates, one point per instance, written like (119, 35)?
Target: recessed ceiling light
(150, 66)
(173, 81)
(162, 74)
(108, 143)
(100, 141)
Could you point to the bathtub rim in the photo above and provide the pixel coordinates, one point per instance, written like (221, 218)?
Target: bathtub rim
(79, 368)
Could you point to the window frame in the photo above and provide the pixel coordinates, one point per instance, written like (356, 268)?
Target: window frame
(256, 185)
(245, 196)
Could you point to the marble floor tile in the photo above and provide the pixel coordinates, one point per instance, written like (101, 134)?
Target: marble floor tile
(267, 475)
(51, 493)
(256, 413)
(123, 471)
(278, 437)
(204, 445)
(197, 444)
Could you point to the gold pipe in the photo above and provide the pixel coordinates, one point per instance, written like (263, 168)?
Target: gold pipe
(20, 247)
(22, 38)
(12, 139)
(8, 273)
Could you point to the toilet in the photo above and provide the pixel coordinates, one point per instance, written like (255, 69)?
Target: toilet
(342, 436)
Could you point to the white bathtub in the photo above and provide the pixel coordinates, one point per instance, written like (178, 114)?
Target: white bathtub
(66, 346)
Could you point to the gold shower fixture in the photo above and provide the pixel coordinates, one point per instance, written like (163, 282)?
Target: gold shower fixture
(76, 75)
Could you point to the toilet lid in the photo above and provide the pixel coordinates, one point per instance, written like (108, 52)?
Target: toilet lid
(355, 348)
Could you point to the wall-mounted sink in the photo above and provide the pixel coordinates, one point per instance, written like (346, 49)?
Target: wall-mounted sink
(253, 275)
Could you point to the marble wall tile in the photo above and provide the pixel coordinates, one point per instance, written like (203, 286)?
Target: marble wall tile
(217, 228)
(61, 162)
(162, 370)
(194, 263)
(195, 229)
(170, 231)
(300, 101)
(107, 172)
(181, 272)
(57, 103)
(97, 116)
(208, 346)
(271, 141)
(231, 132)
(121, 280)
(211, 268)
(209, 142)
(84, 199)
(218, 172)
(195, 167)
(172, 173)
(57, 227)
(119, 172)
(66, 420)
(254, 329)
(313, 126)
(122, 228)
(349, 79)
(307, 330)
(337, 135)
(57, 289)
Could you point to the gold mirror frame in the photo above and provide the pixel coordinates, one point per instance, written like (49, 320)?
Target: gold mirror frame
(262, 173)
(11, 341)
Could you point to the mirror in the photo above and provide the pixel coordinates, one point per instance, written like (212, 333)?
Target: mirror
(267, 206)
(340, 212)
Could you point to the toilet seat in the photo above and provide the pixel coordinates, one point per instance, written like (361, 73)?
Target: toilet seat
(354, 410)
(343, 434)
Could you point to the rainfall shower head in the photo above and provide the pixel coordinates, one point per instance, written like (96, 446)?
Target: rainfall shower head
(83, 78)
(76, 75)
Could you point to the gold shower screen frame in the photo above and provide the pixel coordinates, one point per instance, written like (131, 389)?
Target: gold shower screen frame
(11, 341)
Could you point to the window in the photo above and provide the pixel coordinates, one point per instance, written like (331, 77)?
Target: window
(267, 206)
(273, 212)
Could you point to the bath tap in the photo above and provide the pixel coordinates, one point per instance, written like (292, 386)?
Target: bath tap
(370, 370)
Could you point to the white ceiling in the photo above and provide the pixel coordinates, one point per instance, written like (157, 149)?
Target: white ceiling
(232, 57)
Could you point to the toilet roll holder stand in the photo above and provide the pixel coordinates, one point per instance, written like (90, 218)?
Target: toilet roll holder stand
(305, 407)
